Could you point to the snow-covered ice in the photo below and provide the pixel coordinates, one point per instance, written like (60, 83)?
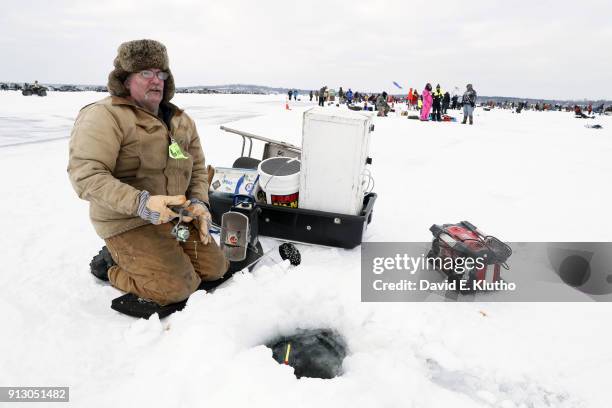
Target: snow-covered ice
(537, 176)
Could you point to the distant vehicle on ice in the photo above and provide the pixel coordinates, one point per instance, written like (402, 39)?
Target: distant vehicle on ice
(34, 89)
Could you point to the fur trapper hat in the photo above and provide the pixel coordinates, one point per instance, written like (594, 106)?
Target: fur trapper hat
(135, 56)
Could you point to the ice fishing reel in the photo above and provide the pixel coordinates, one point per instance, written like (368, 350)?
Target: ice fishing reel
(180, 231)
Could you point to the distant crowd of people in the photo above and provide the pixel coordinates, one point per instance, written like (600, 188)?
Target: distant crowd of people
(431, 104)
(586, 110)
(590, 111)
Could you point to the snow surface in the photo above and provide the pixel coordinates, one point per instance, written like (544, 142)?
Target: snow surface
(537, 176)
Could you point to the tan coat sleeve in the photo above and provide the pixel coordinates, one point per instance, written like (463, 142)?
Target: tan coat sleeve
(198, 185)
(94, 146)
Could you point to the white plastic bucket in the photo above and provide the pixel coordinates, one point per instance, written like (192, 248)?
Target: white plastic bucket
(279, 178)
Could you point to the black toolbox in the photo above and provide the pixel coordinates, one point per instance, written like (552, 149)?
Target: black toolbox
(301, 225)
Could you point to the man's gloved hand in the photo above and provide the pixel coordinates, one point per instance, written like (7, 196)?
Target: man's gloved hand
(155, 208)
(203, 219)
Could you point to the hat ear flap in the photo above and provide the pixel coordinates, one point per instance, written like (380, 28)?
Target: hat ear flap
(168, 87)
(116, 79)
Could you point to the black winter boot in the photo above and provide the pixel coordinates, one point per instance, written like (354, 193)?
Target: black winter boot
(101, 263)
(134, 306)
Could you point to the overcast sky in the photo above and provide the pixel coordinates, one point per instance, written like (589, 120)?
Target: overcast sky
(540, 49)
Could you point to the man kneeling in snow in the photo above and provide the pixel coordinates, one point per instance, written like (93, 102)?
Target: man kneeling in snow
(132, 156)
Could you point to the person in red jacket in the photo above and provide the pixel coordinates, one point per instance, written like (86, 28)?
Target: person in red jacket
(578, 112)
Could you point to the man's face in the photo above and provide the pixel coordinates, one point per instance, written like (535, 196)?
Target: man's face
(147, 93)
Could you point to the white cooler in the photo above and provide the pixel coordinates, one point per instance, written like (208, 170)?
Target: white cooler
(335, 146)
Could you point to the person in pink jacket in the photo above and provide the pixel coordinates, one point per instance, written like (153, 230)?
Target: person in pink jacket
(427, 102)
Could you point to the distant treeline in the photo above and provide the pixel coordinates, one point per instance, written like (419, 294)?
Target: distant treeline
(263, 90)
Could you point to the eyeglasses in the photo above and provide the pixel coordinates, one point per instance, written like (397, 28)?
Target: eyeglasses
(148, 74)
